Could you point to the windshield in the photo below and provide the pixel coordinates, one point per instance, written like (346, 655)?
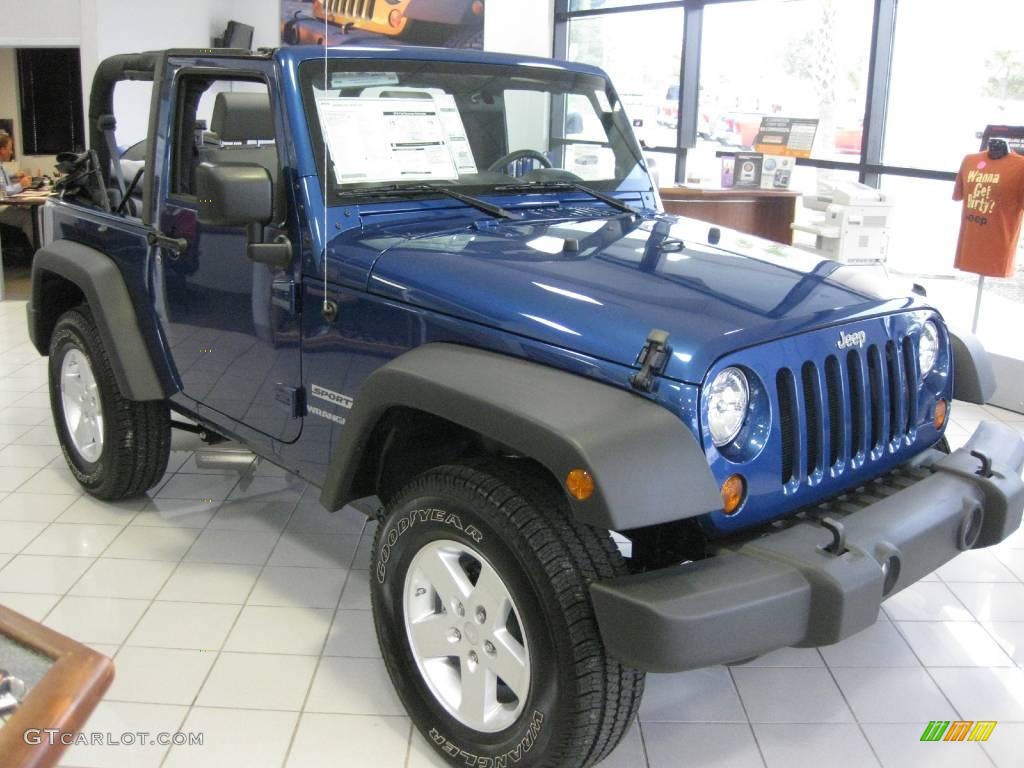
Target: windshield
(468, 126)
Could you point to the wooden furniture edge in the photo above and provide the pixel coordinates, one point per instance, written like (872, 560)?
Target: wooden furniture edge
(63, 699)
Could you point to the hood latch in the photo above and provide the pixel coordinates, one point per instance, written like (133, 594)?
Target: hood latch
(652, 360)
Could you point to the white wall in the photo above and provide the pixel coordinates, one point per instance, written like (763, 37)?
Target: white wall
(38, 23)
(110, 27)
(520, 26)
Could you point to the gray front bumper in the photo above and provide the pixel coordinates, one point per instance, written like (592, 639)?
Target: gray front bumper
(785, 589)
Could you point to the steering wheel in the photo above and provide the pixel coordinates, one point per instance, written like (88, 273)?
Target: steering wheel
(519, 154)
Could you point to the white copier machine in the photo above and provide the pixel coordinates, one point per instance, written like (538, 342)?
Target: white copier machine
(855, 226)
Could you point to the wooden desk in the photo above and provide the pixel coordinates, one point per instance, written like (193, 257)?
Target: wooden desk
(63, 699)
(33, 199)
(765, 213)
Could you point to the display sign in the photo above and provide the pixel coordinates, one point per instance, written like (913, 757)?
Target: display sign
(789, 136)
(1014, 135)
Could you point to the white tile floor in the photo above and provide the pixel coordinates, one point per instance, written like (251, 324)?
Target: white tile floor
(233, 606)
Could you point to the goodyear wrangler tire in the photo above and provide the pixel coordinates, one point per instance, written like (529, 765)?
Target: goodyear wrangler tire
(115, 447)
(479, 587)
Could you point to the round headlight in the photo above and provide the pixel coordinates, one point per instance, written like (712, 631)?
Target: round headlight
(728, 396)
(928, 348)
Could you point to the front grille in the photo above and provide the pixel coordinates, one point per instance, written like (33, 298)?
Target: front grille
(362, 9)
(852, 408)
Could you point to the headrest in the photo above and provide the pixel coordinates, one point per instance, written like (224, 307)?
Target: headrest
(242, 117)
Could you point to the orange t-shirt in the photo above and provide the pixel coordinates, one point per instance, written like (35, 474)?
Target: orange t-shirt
(993, 195)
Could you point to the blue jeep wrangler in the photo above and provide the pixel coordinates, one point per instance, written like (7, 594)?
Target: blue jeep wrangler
(605, 440)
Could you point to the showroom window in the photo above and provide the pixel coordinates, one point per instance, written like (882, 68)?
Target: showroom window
(925, 225)
(944, 91)
(784, 58)
(593, 5)
(898, 95)
(648, 85)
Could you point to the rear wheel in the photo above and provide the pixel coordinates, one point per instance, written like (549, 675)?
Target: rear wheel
(481, 602)
(115, 447)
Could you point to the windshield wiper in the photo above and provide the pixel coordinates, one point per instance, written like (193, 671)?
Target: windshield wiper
(556, 185)
(403, 190)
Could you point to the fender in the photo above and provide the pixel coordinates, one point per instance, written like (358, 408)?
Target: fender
(103, 286)
(647, 466)
(973, 378)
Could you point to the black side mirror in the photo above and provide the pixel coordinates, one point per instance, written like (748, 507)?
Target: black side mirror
(234, 194)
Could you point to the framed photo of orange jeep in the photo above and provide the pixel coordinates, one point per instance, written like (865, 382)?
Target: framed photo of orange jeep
(446, 23)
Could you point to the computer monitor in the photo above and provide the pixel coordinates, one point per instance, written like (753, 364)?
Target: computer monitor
(236, 35)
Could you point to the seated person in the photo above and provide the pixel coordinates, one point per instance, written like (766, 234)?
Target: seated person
(13, 183)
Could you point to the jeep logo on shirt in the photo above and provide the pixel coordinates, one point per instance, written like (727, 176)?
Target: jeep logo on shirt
(847, 340)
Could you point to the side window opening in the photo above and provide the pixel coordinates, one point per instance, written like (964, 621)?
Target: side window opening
(222, 121)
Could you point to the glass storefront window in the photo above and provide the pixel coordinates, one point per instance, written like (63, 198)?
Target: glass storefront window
(955, 70)
(649, 91)
(785, 58)
(922, 244)
(925, 225)
(593, 5)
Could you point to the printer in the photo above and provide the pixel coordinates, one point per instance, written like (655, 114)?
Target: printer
(854, 227)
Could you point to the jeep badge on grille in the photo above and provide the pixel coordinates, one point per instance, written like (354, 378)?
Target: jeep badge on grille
(847, 340)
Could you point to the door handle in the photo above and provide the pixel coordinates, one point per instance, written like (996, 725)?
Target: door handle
(159, 240)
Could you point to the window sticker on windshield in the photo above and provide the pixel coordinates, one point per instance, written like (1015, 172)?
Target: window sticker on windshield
(590, 162)
(458, 142)
(377, 140)
(602, 101)
(455, 131)
(362, 79)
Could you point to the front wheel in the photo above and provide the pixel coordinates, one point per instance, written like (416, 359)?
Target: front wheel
(115, 447)
(481, 603)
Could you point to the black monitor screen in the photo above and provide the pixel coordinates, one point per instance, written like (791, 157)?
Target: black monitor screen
(237, 35)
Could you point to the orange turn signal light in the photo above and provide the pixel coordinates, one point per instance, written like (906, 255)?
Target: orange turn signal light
(477, 8)
(734, 491)
(580, 484)
(941, 409)
(395, 18)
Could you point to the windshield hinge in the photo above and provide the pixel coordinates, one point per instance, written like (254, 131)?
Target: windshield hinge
(653, 359)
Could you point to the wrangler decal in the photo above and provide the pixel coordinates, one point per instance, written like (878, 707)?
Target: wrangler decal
(513, 756)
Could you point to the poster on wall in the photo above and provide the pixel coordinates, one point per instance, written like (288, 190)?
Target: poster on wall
(444, 23)
(7, 126)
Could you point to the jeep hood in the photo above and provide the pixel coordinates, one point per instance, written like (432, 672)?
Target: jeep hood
(599, 285)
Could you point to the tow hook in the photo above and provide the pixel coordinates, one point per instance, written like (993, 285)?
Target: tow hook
(986, 464)
(838, 545)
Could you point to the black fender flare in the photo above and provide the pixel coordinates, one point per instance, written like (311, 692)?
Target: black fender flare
(100, 281)
(974, 381)
(647, 465)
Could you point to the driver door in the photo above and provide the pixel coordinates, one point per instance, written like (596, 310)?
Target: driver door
(233, 331)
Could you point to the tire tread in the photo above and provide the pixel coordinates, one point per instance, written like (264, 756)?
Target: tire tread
(138, 433)
(571, 556)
